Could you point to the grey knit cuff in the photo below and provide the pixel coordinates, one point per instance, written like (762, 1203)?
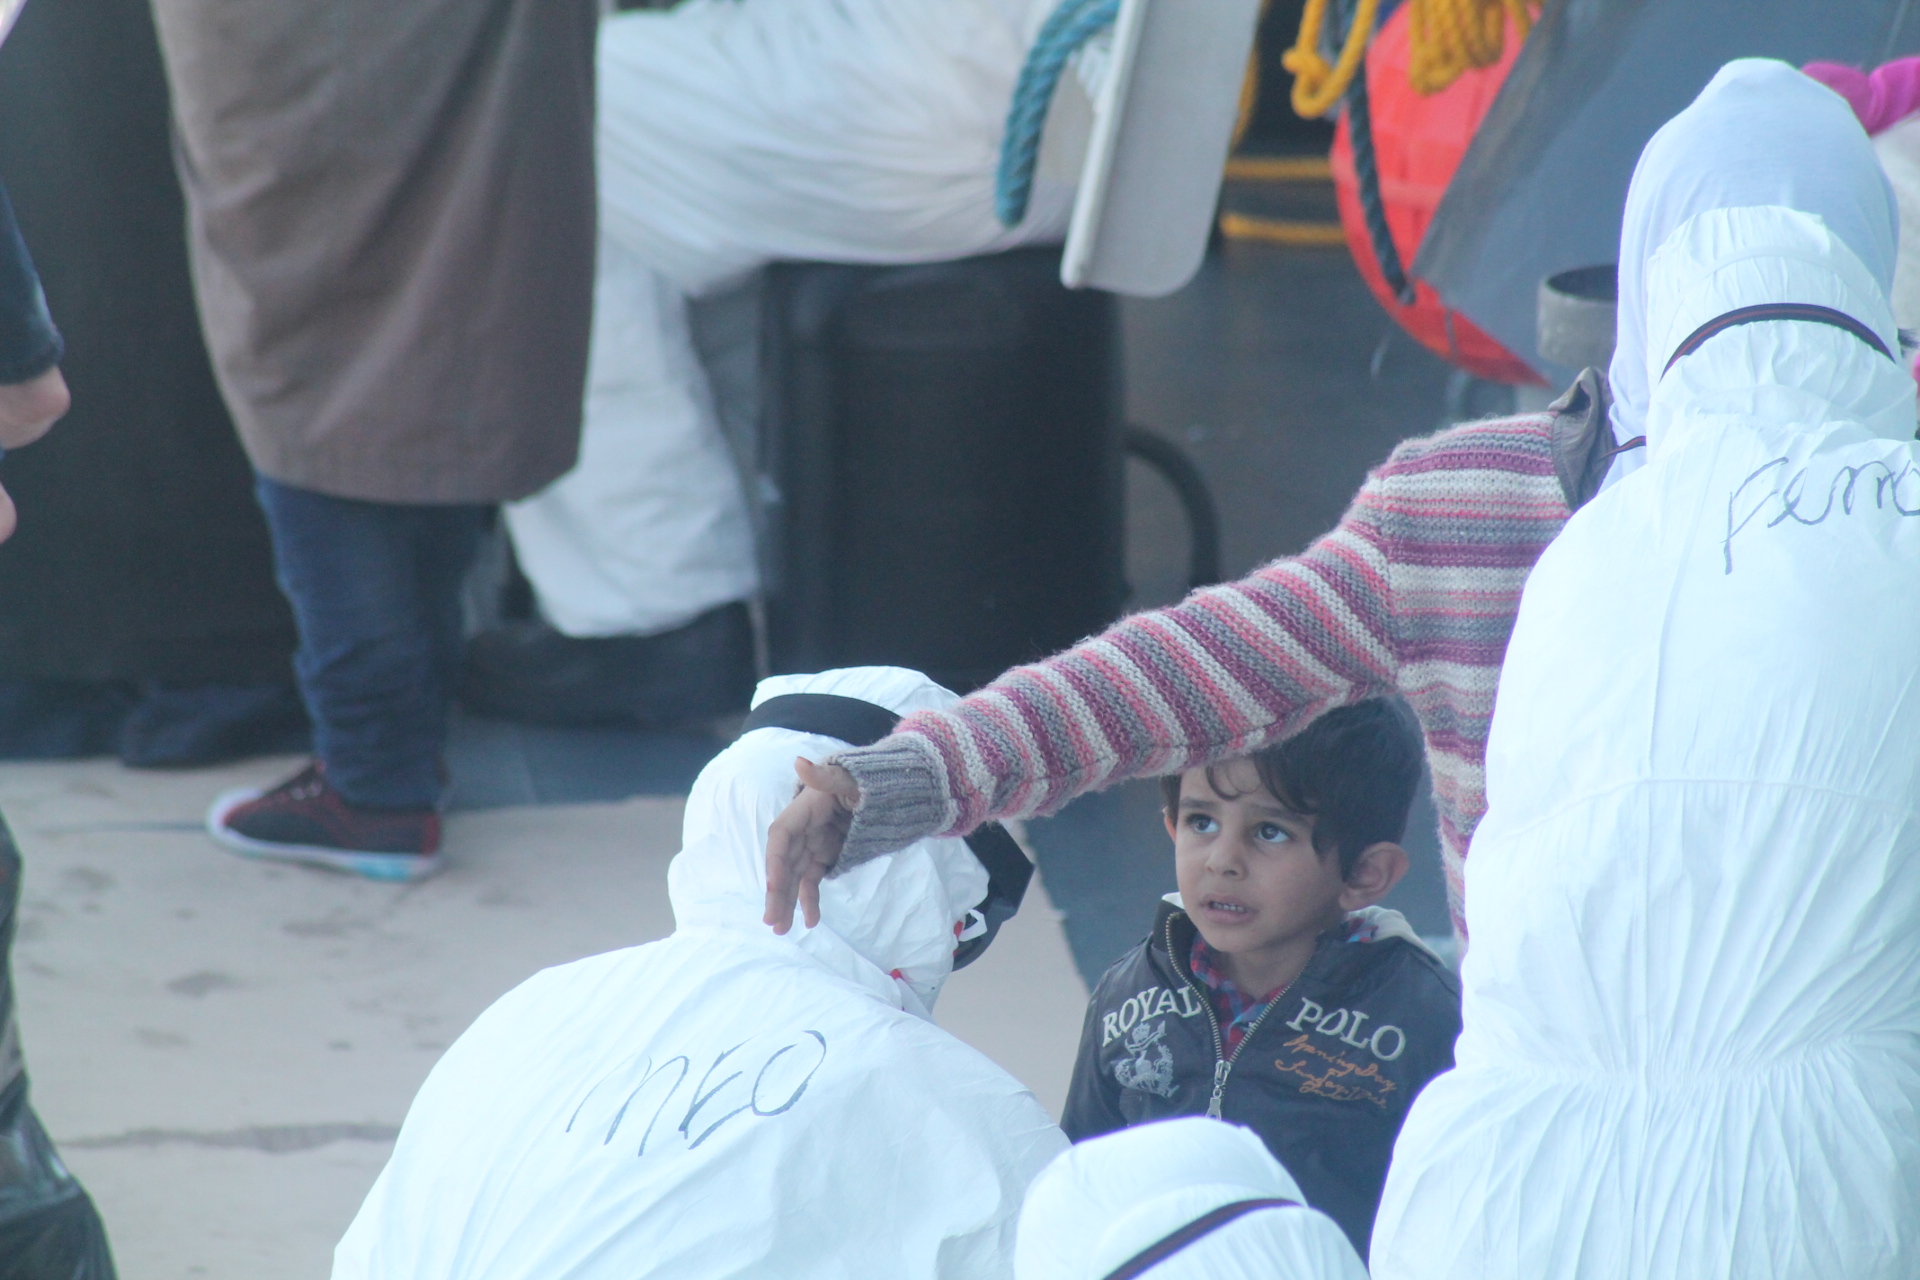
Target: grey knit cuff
(903, 797)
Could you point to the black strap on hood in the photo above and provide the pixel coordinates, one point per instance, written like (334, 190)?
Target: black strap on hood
(1582, 432)
(1204, 1225)
(859, 723)
(852, 720)
(1764, 311)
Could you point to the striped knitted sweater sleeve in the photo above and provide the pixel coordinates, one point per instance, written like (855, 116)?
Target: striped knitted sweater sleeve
(1414, 591)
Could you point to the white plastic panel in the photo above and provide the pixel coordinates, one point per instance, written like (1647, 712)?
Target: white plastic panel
(1163, 121)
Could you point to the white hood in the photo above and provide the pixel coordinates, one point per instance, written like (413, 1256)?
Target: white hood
(1780, 376)
(1104, 1201)
(1691, 1026)
(725, 1102)
(888, 923)
(1760, 134)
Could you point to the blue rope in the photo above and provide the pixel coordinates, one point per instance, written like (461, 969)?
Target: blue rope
(1068, 27)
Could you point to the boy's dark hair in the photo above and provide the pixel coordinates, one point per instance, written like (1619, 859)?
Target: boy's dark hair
(1353, 771)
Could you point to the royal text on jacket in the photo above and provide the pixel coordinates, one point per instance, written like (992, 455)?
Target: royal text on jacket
(1150, 1003)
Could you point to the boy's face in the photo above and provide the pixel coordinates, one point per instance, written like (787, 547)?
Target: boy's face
(1249, 874)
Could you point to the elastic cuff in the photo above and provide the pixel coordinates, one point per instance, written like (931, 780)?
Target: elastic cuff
(903, 797)
(43, 355)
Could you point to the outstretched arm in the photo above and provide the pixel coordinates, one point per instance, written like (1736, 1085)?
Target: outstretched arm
(1224, 672)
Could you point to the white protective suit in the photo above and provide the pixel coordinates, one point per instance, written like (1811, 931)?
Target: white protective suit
(1105, 1201)
(1692, 1004)
(726, 1102)
(732, 133)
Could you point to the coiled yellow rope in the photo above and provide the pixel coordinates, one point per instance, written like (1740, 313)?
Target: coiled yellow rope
(1446, 38)
(1318, 85)
(1449, 37)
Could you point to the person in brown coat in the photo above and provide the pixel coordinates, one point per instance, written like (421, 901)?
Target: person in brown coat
(391, 222)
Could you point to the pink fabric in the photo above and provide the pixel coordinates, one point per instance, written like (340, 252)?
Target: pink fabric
(1881, 98)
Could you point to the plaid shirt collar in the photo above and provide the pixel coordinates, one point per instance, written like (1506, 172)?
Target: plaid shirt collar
(1237, 1010)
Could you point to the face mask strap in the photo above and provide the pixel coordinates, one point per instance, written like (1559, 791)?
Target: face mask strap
(1765, 311)
(1201, 1227)
(1008, 874)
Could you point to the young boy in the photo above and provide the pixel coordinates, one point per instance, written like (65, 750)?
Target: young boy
(1272, 992)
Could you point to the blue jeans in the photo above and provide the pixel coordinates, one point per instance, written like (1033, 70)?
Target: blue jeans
(375, 590)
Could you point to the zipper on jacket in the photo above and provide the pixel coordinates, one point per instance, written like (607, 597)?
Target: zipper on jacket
(1222, 1064)
(1220, 1069)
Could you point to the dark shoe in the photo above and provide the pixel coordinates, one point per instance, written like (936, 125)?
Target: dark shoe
(305, 820)
(176, 727)
(529, 671)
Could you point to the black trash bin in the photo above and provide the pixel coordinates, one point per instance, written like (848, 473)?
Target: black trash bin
(941, 468)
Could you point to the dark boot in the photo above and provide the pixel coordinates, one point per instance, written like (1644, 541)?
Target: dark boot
(685, 677)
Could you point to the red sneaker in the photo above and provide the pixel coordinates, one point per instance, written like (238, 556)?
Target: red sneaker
(305, 820)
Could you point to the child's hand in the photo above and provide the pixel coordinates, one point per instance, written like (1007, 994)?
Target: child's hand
(805, 841)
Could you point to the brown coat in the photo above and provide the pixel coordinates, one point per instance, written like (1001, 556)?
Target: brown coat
(391, 217)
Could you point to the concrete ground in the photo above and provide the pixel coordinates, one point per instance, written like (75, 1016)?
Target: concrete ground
(224, 1049)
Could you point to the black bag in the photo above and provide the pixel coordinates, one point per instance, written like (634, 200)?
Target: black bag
(941, 465)
(48, 1227)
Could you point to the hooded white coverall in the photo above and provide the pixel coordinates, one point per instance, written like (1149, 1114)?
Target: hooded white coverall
(732, 133)
(1692, 1004)
(1100, 1204)
(726, 1102)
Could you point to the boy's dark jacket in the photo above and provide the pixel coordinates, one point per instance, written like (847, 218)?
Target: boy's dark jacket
(1325, 1076)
